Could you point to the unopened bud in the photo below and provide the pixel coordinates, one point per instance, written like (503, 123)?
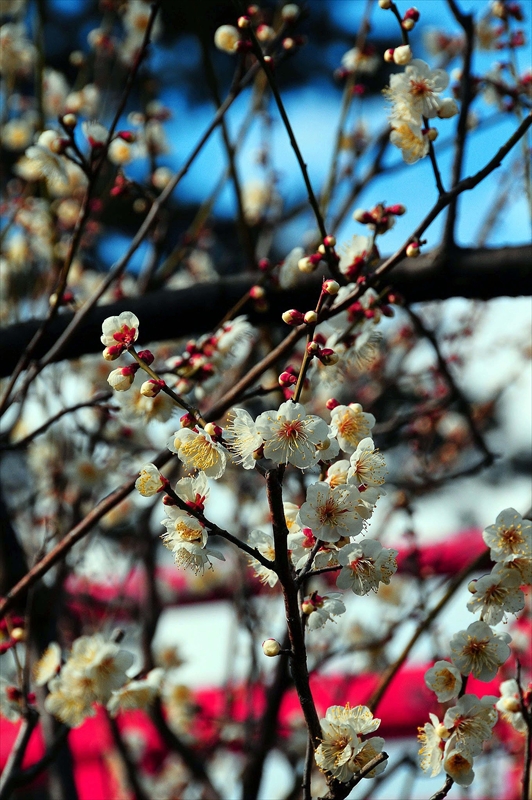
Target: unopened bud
(113, 352)
(306, 265)
(398, 209)
(271, 647)
(290, 12)
(293, 317)
(329, 241)
(412, 13)
(287, 379)
(322, 249)
(213, 430)
(187, 421)
(18, 634)
(388, 55)
(408, 24)
(331, 287)
(432, 134)
(363, 216)
(412, 251)
(257, 292)
(151, 388)
(313, 348)
(331, 404)
(307, 607)
(472, 587)
(146, 356)
(310, 318)
(288, 43)
(385, 4)
(243, 22)
(70, 121)
(402, 55)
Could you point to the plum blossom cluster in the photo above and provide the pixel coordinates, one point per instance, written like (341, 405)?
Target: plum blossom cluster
(95, 672)
(415, 95)
(345, 747)
(480, 651)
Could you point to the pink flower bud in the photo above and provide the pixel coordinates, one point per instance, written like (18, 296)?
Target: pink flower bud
(127, 136)
(313, 348)
(113, 352)
(331, 404)
(293, 317)
(287, 379)
(70, 121)
(412, 251)
(213, 430)
(360, 215)
(264, 264)
(187, 421)
(146, 356)
(311, 318)
(243, 22)
(396, 209)
(329, 241)
(402, 55)
(257, 292)
(412, 13)
(307, 606)
(388, 55)
(408, 24)
(306, 265)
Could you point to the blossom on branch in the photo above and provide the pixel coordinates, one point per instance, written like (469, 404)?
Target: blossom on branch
(342, 752)
(351, 425)
(480, 651)
(365, 565)
(291, 436)
(198, 450)
(331, 513)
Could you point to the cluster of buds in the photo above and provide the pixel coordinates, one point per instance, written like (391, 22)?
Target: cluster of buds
(504, 11)
(380, 218)
(194, 364)
(11, 634)
(310, 263)
(294, 317)
(399, 55)
(410, 17)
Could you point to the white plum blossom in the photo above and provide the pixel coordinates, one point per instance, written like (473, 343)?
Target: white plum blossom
(480, 651)
(351, 425)
(509, 704)
(150, 481)
(510, 537)
(495, 594)
(410, 139)
(415, 93)
(364, 565)
(353, 253)
(291, 436)
(471, 722)
(138, 693)
(263, 542)
(367, 465)
(198, 450)
(445, 680)
(300, 545)
(187, 538)
(319, 609)
(194, 491)
(44, 161)
(226, 38)
(48, 665)
(243, 438)
(331, 513)
(95, 668)
(363, 60)
(458, 764)
(337, 473)
(120, 331)
(342, 753)
(432, 737)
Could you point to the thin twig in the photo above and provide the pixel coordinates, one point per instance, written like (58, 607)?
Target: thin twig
(444, 791)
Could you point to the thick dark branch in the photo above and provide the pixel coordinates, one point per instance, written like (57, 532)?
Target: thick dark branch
(481, 274)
